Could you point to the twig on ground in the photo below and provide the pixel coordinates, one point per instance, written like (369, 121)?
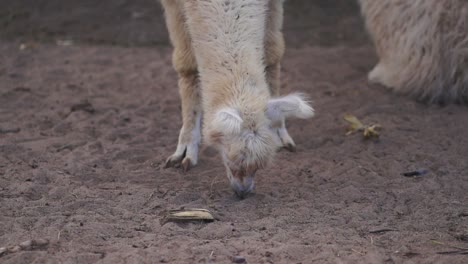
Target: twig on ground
(211, 186)
(380, 231)
(453, 252)
(459, 250)
(359, 252)
(150, 197)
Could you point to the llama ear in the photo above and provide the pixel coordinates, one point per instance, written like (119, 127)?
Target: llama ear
(227, 121)
(292, 105)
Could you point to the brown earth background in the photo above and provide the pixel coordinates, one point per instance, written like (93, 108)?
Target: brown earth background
(89, 111)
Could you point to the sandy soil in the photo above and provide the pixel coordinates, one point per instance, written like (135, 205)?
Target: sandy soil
(85, 130)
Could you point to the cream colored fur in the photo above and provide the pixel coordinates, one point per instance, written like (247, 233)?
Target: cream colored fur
(228, 54)
(422, 47)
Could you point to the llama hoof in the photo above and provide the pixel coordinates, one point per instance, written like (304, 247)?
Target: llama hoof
(381, 75)
(173, 162)
(177, 162)
(185, 157)
(186, 154)
(375, 74)
(290, 147)
(286, 141)
(187, 164)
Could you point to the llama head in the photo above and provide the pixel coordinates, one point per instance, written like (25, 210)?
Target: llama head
(248, 141)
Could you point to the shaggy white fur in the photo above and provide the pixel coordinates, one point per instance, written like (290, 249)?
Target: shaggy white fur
(422, 47)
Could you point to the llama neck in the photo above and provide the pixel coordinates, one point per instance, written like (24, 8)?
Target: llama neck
(228, 41)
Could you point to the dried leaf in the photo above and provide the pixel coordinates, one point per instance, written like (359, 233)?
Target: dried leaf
(371, 131)
(356, 125)
(189, 215)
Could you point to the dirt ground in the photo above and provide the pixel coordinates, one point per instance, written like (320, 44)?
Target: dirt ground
(85, 130)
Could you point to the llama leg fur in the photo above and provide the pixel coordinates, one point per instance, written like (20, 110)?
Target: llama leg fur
(185, 64)
(274, 50)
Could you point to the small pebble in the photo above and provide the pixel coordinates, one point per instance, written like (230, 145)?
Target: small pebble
(419, 172)
(238, 259)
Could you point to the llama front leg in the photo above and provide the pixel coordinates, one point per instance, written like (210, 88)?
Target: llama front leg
(186, 154)
(274, 50)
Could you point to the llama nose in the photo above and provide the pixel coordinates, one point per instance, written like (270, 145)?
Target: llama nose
(243, 187)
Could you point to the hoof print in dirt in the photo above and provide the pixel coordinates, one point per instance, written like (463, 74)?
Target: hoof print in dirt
(84, 106)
